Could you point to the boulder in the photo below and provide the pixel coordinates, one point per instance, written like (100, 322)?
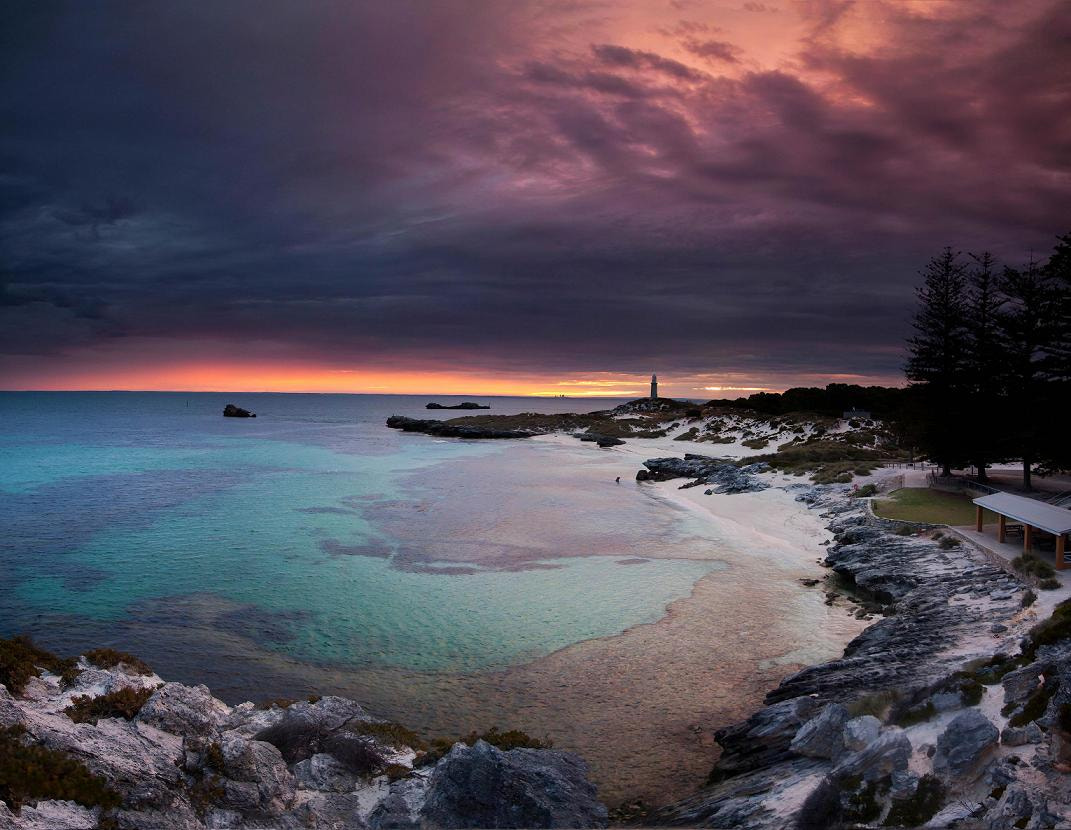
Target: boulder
(1020, 735)
(232, 411)
(184, 710)
(1021, 683)
(966, 739)
(481, 786)
(324, 772)
(823, 735)
(49, 815)
(260, 778)
(861, 731)
(400, 810)
(886, 754)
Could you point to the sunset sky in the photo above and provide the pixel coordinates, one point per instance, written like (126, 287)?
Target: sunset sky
(495, 197)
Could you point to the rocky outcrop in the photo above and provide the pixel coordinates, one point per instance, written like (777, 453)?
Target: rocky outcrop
(601, 440)
(187, 761)
(481, 786)
(232, 411)
(447, 430)
(727, 477)
(925, 747)
(462, 405)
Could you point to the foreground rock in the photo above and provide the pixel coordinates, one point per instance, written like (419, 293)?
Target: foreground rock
(232, 411)
(900, 730)
(445, 430)
(727, 477)
(189, 761)
(462, 405)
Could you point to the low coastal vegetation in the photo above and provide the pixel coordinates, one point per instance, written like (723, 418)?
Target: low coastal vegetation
(122, 703)
(29, 772)
(828, 461)
(108, 658)
(21, 659)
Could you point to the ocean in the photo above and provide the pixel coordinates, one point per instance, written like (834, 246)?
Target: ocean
(451, 585)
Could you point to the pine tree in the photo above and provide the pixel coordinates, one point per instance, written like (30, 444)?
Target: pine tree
(938, 355)
(1028, 324)
(984, 360)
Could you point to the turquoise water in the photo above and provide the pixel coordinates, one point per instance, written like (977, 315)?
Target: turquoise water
(317, 533)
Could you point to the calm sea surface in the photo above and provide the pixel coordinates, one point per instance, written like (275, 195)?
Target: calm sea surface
(318, 532)
(450, 585)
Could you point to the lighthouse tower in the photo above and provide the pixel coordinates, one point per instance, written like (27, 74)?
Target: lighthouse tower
(654, 386)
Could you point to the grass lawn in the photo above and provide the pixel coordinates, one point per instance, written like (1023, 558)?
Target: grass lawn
(921, 504)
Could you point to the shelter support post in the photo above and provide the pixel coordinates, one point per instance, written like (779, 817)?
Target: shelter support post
(1028, 538)
(1061, 540)
(978, 525)
(1002, 529)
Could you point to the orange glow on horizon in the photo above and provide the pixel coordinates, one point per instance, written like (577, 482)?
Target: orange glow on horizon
(267, 375)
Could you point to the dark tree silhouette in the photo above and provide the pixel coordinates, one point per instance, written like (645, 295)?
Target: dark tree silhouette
(984, 360)
(938, 357)
(1028, 325)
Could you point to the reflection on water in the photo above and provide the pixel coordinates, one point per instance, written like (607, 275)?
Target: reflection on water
(450, 585)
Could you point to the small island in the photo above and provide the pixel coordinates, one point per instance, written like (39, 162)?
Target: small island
(232, 411)
(462, 405)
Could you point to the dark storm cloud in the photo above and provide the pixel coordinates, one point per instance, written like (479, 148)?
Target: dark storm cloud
(433, 182)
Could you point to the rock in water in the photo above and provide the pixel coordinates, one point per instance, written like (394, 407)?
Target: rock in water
(481, 786)
(961, 746)
(232, 411)
(463, 405)
(447, 430)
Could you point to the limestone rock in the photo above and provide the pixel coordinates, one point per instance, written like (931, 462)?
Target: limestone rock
(184, 710)
(1021, 683)
(886, 754)
(1020, 735)
(966, 739)
(481, 786)
(324, 772)
(861, 731)
(822, 736)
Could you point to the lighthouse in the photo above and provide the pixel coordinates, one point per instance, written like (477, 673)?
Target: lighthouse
(654, 386)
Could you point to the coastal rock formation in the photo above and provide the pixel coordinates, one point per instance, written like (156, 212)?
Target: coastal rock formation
(727, 477)
(189, 761)
(462, 405)
(232, 411)
(920, 749)
(601, 440)
(446, 430)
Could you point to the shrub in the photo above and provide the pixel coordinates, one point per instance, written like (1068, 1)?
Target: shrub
(108, 658)
(937, 536)
(875, 703)
(1029, 564)
(1029, 598)
(865, 491)
(356, 753)
(510, 739)
(32, 773)
(391, 734)
(1051, 584)
(920, 807)
(904, 530)
(122, 703)
(298, 739)
(20, 660)
(948, 543)
(756, 443)
(1050, 631)
(914, 714)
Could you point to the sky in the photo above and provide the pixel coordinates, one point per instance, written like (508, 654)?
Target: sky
(552, 197)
